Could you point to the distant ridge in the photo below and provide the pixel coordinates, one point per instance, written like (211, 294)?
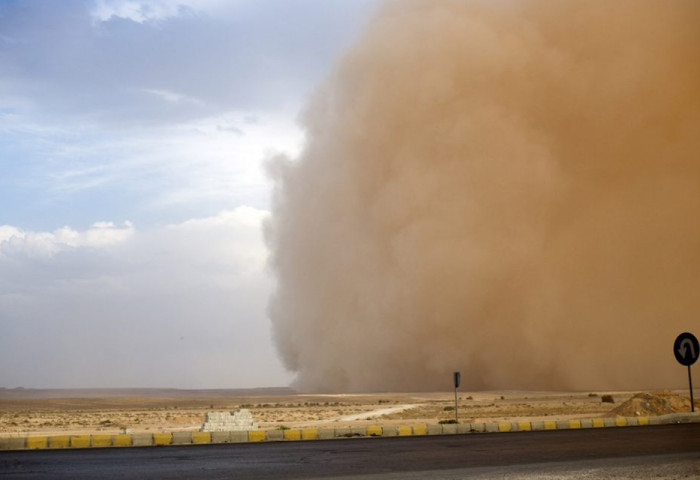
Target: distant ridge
(140, 392)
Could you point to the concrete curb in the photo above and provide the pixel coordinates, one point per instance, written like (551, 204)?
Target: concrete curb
(40, 442)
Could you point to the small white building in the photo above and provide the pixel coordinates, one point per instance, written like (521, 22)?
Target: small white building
(240, 420)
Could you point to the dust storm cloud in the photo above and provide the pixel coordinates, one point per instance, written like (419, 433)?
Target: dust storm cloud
(506, 188)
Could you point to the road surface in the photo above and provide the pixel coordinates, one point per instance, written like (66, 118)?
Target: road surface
(449, 456)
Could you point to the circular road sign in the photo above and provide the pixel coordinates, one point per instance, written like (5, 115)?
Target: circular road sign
(686, 349)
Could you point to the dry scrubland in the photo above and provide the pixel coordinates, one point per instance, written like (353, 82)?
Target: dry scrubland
(112, 414)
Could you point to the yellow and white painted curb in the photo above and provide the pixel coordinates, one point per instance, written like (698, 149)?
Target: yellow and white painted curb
(39, 442)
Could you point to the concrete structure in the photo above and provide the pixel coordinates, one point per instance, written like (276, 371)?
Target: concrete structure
(186, 438)
(238, 421)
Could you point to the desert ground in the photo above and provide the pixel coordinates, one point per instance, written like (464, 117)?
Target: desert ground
(27, 412)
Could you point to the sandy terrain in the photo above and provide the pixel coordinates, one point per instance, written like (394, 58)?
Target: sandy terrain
(380, 412)
(185, 410)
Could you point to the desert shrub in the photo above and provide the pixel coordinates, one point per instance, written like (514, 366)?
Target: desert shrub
(450, 421)
(283, 427)
(607, 399)
(592, 394)
(448, 409)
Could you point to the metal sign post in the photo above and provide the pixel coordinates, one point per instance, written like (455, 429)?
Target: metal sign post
(686, 351)
(457, 378)
(690, 385)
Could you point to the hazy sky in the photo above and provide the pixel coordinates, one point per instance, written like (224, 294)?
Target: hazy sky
(133, 136)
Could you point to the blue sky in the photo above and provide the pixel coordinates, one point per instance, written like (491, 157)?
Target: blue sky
(133, 138)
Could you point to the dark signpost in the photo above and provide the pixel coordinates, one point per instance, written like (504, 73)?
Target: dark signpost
(686, 351)
(457, 377)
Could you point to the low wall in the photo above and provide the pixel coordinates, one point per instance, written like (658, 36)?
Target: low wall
(35, 442)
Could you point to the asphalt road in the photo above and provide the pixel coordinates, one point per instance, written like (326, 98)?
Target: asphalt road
(356, 457)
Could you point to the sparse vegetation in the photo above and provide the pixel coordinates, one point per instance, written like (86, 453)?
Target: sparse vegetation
(149, 414)
(607, 399)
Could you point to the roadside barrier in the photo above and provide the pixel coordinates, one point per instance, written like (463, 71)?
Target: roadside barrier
(40, 442)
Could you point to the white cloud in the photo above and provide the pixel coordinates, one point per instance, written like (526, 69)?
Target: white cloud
(14, 241)
(139, 11)
(145, 11)
(173, 97)
(7, 232)
(180, 305)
